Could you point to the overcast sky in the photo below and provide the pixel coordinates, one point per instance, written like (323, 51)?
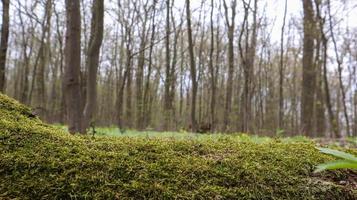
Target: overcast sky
(346, 13)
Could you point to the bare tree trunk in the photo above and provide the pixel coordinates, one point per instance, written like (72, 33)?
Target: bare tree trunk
(173, 75)
(212, 73)
(192, 68)
(42, 61)
(309, 76)
(124, 79)
(249, 74)
(247, 59)
(230, 34)
(92, 64)
(26, 63)
(62, 111)
(140, 74)
(243, 61)
(355, 113)
(73, 62)
(146, 97)
(181, 104)
(167, 69)
(319, 108)
(85, 45)
(120, 99)
(281, 72)
(216, 71)
(4, 41)
(324, 79)
(128, 79)
(339, 68)
(128, 91)
(199, 78)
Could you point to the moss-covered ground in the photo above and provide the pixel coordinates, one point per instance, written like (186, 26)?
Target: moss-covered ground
(39, 161)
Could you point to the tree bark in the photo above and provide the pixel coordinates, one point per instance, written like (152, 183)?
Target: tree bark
(4, 41)
(92, 64)
(62, 109)
(140, 74)
(339, 69)
(230, 34)
(192, 68)
(281, 72)
(308, 72)
(325, 82)
(247, 58)
(72, 63)
(212, 73)
(26, 63)
(355, 113)
(249, 75)
(42, 62)
(167, 106)
(146, 98)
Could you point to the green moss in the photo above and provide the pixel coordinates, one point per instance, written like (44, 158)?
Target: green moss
(38, 161)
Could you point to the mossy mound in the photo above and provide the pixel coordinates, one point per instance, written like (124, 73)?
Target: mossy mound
(38, 161)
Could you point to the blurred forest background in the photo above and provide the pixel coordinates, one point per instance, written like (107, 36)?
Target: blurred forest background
(255, 66)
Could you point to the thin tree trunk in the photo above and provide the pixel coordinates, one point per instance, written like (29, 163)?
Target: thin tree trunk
(26, 57)
(192, 68)
(230, 34)
(319, 109)
(248, 117)
(281, 72)
(92, 64)
(167, 69)
(339, 69)
(146, 97)
(127, 79)
(173, 67)
(140, 72)
(121, 84)
(43, 62)
(181, 104)
(355, 113)
(324, 78)
(63, 109)
(4, 41)
(212, 73)
(128, 92)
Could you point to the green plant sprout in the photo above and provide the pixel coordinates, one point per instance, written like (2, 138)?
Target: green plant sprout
(347, 161)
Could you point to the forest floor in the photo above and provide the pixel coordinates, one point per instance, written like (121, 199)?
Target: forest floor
(348, 142)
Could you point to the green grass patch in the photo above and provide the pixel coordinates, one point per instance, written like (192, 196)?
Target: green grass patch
(39, 161)
(183, 135)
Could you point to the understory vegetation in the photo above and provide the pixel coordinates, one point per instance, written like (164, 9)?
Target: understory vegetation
(39, 161)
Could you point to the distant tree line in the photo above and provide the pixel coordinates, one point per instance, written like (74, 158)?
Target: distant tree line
(149, 64)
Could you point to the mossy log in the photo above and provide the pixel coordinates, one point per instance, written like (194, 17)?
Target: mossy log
(38, 161)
